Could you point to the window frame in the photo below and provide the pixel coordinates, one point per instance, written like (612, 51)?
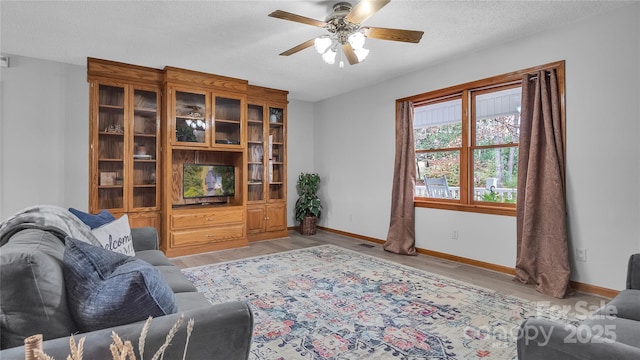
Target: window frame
(465, 92)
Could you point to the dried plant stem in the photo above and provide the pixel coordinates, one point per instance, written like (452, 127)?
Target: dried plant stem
(33, 342)
(190, 324)
(39, 355)
(168, 339)
(143, 337)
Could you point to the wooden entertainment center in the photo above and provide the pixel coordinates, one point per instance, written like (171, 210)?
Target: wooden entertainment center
(146, 124)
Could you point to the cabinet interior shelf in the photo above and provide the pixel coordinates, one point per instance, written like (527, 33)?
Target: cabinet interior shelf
(256, 121)
(145, 135)
(144, 160)
(110, 160)
(111, 107)
(144, 185)
(187, 117)
(110, 186)
(111, 133)
(227, 121)
(145, 111)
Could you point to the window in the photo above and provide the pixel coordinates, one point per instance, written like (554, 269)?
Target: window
(466, 144)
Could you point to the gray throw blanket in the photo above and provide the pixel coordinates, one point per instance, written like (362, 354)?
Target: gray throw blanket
(54, 219)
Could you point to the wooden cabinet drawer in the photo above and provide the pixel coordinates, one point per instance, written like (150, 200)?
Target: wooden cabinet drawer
(209, 218)
(207, 236)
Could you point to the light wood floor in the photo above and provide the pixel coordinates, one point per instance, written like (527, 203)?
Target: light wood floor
(497, 281)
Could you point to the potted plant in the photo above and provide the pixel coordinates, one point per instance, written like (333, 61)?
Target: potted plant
(308, 207)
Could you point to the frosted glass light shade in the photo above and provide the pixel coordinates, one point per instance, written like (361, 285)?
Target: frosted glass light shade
(322, 44)
(329, 57)
(356, 40)
(361, 53)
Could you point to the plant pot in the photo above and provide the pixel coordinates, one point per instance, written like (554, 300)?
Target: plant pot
(308, 225)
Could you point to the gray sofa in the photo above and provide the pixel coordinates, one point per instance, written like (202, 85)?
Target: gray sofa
(611, 332)
(220, 332)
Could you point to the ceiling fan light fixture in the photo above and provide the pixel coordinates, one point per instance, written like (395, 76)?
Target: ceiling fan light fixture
(356, 40)
(322, 43)
(329, 57)
(361, 53)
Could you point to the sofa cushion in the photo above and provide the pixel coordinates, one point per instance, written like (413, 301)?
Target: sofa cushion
(176, 279)
(93, 221)
(617, 329)
(625, 305)
(153, 257)
(106, 289)
(191, 300)
(33, 298)
(116, 236)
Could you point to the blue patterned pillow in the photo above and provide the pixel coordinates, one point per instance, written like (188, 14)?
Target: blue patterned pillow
(106, 289)
(93, 221)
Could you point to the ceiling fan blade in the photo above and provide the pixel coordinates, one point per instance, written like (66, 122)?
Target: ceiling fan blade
(349, 53)
(300, 47)
(297, 18)
(411, 36)
(364, 10)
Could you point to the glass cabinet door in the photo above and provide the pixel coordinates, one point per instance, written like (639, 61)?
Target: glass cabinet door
(227, 120)
(190, 118)
(255, 152)
(276, 148)
(145, 148)
(111, 146)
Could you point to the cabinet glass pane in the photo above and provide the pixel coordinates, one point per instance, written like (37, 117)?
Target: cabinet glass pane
(145, 156)
(111, 146)
(227, 121)
(276, 153)
(190, 114)
(255, 147)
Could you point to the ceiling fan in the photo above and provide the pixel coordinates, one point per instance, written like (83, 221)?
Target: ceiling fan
(346, 32)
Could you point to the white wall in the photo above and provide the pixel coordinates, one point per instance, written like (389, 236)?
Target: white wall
(354, 139)
(300, 149)
(44, 139)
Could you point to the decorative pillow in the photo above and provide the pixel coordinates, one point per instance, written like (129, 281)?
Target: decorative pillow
(116, 236)
(32, 297)
(106, 289)
(93, 221)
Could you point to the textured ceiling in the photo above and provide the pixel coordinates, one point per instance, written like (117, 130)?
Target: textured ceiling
(238, 39)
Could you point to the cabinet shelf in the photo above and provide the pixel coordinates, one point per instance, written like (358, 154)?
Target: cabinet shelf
(145, 111)
(259, 122)
(110, 186)
(145, 135)
(111, 133)
(109, 160)
(111, 107)
(227, 121)
(187, 117)
(144, 185)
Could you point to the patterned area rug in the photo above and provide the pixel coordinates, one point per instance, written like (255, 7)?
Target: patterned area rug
(327, 302)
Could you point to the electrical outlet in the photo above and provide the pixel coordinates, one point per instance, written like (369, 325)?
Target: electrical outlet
(454, 235)
(581, 254)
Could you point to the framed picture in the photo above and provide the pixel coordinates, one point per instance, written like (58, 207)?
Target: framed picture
(107, 178)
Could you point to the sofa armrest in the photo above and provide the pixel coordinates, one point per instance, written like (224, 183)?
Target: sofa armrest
(548, 340)
(633, 272)
(145, 238)
(220, 331)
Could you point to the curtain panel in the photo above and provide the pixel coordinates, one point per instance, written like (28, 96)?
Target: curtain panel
(542, 244)
(401, 237)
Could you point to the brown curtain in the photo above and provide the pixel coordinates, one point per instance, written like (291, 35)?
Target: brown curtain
(542, 249)
(401, 238)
